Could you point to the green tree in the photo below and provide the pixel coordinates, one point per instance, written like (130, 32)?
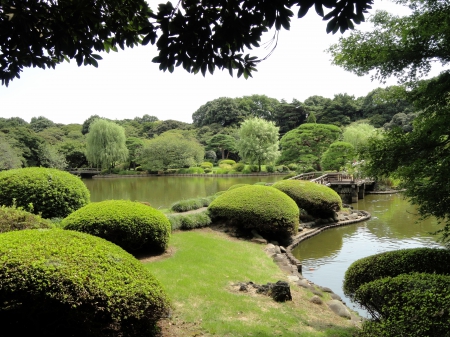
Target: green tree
(26, 142)
(406, 47)
(105, 144)
(223, 143)
(224, 111)
(74, 152)
(37, 124)
(9, 157)
(337, 155)
(87, 124)
(289, 115)
(311, 118)
(259, 106)
(307, 143)
(160, 127)
(341, 110)
(171, 150)
(50, 157)
(258, 141)
(358, 134)
(134, 146)
(200, 36)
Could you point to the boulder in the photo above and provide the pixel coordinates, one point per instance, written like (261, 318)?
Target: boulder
(339, 309)
(316, 300)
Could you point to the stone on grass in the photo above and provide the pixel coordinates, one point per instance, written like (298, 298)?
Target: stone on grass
(316, 300)
(339, 309)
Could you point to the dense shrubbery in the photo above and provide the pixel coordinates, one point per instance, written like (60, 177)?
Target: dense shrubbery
(14, 219)
(317, 200)
(407, 292)
(191, 170)
(64, 283)
(292, 167)
(206, 165)
(270, 168)
(269, 211)
(404, 261)
(413, 305)
(131, 225)
(191, 204)
(227, 162)
(239, 167)
(290, 175)
(189, 221)
(48, 192)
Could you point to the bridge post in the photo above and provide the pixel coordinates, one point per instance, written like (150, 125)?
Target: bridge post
(361, 191)
(355, 193)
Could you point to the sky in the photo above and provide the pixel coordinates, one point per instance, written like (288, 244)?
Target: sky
(127, 84)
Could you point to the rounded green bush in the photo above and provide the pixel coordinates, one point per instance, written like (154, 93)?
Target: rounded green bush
(187, 205)
(15, 219)
(206, 165)
(236, 186)
(63, 283)
(318, 200)
(239, 167)
(404, 261)
(413, 305)
(263, 208)
(131, 225)
(49, 192)
(230, 162)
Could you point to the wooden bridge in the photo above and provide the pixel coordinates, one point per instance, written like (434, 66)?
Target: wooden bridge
(84, 172)
(348, 188)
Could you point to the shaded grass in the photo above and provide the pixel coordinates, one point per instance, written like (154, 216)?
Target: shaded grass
(198, 278)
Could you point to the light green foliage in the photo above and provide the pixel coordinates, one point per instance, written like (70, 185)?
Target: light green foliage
(131, 225)
(171, 150)
(188, 205)
(49, 192)
(263, 208)
(306, 144)
(337, 155)
(49, 156)
(259, 106)
(89, 286)
(236, 186)
(358, 134)
(227, 162)
(40, 123)
(14, 219)
(258, 142)
(239, 167)
(206, 165)
(317, 200)
(106, 143)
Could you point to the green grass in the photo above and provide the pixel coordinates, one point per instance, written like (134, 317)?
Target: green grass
(198, 279)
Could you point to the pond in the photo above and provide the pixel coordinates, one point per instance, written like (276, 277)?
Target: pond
(326, 257)
(163, 191)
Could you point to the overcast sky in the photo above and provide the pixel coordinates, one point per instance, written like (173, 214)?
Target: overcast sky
(127, 84)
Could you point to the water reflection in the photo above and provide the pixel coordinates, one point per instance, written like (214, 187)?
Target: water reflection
(162, 191)
(326, 257)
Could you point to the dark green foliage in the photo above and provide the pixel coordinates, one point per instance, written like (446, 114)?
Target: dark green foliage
(413, 305)
(404, 261)
(189, 221)
(318, 200)
(14, 219)
(131, 225)
(270, 168)
(254, 168)
(64, 283)
(51, 192)
(263, 208)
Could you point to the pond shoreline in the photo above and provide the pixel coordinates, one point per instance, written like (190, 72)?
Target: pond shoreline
(255, 174)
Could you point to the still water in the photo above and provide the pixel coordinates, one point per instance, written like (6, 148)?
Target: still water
(163, 191)
(326, 257)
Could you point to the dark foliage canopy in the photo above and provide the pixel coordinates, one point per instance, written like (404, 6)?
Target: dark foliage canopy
(199, 35)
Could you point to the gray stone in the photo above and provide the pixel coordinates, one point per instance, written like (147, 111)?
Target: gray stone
(277, 250)
(303, 283)
(256, 234)
(258, 240)
(335, 297)
(282, 249)
(316, 300)
(280, 258)
(293, 278)
(270, 246)
(339, 309)
(325, 289)
(300, 228)
(316, 292)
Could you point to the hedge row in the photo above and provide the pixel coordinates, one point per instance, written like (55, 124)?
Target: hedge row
(14, 219)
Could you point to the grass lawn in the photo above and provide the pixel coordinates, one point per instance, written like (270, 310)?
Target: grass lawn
(198, 277)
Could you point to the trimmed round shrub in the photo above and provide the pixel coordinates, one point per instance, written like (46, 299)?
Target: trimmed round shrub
(236, 186)
(239, 167)
(15, 219)
(269, 211)
(262, 183)
(64, 283)
(270, 168)
(290, 175)
(187, 205)
(206, 165)
(230, 162)
(189, 221)
(404, 261)
(292, 167)
(49, 192)
(413, 305)
(318, 200)
(131, 225)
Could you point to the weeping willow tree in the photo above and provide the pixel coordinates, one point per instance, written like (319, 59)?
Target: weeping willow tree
(106, 144)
